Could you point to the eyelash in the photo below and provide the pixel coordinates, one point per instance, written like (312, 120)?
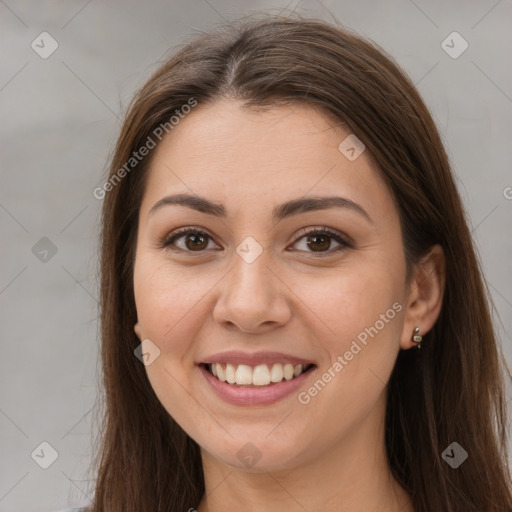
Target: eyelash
(324, 230)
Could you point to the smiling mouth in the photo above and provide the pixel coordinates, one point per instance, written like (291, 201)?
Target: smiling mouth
(259, 375)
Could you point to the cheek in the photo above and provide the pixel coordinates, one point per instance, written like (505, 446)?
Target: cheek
(166, 301)
(348, 302)
(358, 318)
(364, 320)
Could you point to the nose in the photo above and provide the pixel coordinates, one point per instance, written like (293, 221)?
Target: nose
(252, 298)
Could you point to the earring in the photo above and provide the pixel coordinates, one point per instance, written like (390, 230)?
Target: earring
(417, 337)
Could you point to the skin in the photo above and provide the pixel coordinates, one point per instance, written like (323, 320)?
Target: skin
(329, 454)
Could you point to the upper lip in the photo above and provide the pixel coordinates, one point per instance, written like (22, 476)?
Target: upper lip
(255, 358)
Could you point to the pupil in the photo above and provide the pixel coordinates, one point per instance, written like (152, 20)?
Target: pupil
(195, 244)
(316, 238)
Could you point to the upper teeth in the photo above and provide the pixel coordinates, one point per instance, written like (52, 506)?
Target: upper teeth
(260, 375)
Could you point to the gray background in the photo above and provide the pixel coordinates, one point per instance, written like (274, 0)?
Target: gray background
(60, 118)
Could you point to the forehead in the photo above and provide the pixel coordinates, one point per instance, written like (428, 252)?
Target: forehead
(246, 156)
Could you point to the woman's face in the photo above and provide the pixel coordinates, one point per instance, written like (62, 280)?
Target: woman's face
(258, 289)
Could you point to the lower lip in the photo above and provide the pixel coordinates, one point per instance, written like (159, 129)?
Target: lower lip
(254, 395)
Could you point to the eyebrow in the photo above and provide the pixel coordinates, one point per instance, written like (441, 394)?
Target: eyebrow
(287, 209)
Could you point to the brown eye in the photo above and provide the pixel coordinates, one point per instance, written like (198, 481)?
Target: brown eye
(191, 240)
(194, 241)
(320, 242)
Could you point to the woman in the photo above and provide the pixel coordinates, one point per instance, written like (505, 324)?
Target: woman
(281, 234)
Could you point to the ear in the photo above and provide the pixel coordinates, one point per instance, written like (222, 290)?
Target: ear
(425, 295)
(137, 330)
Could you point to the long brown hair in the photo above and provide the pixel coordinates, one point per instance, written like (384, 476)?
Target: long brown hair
(452, 390)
